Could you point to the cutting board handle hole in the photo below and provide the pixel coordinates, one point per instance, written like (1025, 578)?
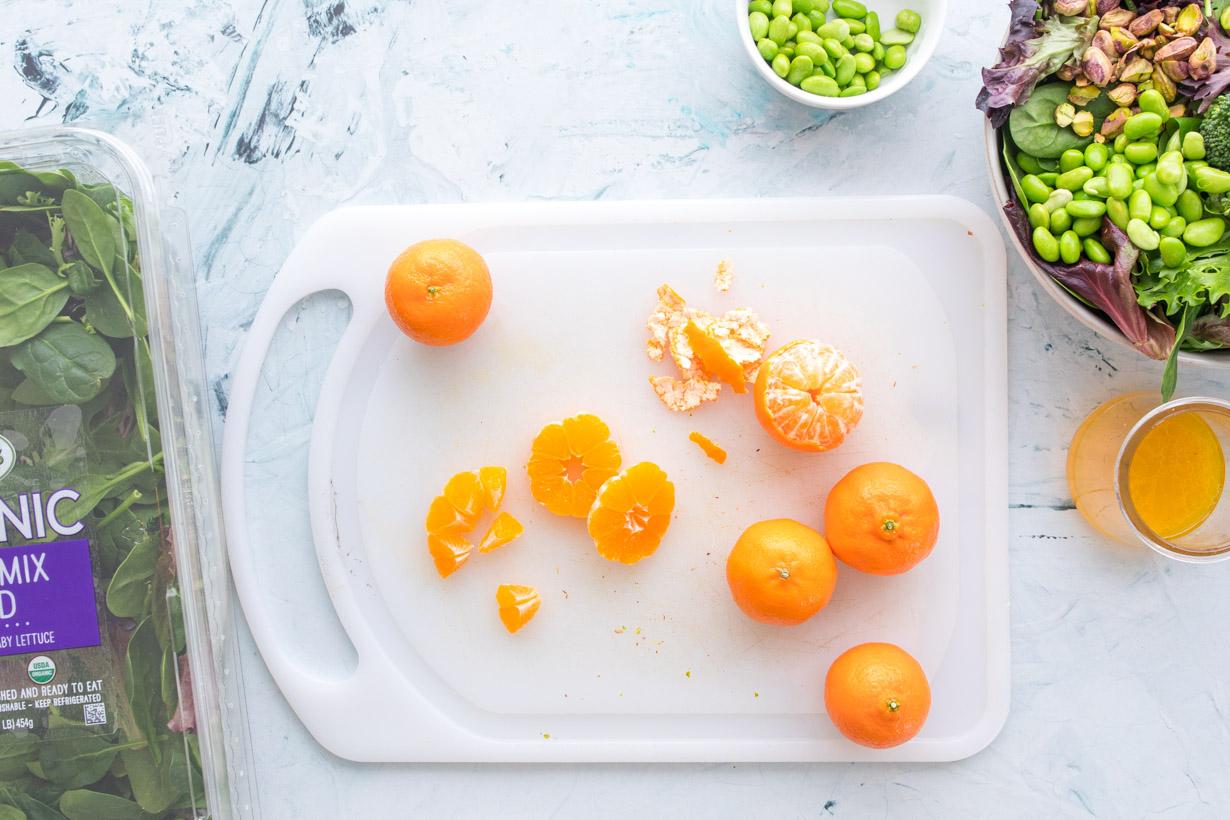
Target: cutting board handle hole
(276, 484)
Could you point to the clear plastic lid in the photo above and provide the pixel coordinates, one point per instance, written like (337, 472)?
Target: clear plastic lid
(119, 689)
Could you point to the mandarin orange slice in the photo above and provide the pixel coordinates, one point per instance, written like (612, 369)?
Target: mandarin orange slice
(503, 529)
(714, 359)
(809, 396)
(449, 552)
(493, 481)
(465, 492)
(569, 461)
(518, 604)
(709, 447)
(443, 518)
(631, 513)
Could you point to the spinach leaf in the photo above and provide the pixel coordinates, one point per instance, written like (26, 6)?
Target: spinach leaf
(128, 593)
(1033, 127)
(15, 752)
(92, 228)
(153, 785)
(1013, 168)
(31, 807)
(82, 804)
(143, 680)
(73, 757)
(27, 247)
(108, 311)
(14, 183)
(66, 362)
(30, 297)
(11, 813)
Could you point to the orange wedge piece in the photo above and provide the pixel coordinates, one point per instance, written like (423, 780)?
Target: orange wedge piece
(503, 529)
(809, 396)
(518, 604)
(714, 360)
(709, 447)
(449, 552)
(569, 461)
(443, 518)
(465, 492)
(631, 513)
(493, 481)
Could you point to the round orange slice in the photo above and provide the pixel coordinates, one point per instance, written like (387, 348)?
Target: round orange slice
(631, 513)
(518, 604)
(569, 461)
(809, 396)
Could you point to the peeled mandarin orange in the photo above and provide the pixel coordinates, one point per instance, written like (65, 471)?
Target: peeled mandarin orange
(808, 396)
(449, 552)
(493, 480)
(781, 572)
(465, 493)
(518, 604)
(881, 519)
(438, 292)
(631, 513)
(503, 530)
(569, 461)
(877, 695)
(714, 359)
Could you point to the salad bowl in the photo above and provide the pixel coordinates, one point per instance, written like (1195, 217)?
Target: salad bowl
(1026, 34)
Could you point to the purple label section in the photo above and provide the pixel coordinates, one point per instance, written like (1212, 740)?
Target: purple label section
(47, 598)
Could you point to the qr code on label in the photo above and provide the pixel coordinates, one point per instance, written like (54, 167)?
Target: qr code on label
(95, 714)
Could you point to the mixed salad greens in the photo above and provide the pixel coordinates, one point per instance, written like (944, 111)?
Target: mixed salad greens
(74, 343)
(1116, 142)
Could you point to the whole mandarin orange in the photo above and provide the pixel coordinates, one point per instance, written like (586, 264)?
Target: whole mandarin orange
(881, 519)
(877, 695)
(438, 291)
(781, 572)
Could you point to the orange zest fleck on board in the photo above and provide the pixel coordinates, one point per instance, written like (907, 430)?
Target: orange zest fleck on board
(709, 447)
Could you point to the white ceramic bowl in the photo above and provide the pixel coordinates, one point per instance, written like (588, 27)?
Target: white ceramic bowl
(918, 52)
(1090, 318)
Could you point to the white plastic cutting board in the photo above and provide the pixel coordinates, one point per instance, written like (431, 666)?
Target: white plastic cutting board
(651, 662)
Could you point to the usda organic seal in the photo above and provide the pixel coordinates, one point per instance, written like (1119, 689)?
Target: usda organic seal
(41, 669)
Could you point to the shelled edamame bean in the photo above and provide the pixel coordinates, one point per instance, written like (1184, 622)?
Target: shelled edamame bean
(1147, 181)
(844, 56)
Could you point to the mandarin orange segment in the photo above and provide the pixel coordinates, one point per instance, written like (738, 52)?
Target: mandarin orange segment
(809, 396)
(631, 513)
(465, 492)
(503, 529)
(709, 447)
(443, 518)
(449, 552)
(714, 359)
(569, 461)
(518, 604)
(493, 481)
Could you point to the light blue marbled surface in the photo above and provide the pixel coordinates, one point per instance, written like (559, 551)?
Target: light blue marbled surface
(257, 118)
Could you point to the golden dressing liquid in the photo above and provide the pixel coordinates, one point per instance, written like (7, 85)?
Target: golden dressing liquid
(1177, 475)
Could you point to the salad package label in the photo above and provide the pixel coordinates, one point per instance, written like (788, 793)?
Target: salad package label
(55, 664)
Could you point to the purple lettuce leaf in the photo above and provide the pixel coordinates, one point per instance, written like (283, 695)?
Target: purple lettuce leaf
(1034, 50)
(1107, 287)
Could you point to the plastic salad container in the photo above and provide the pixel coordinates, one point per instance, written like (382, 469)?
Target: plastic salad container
(119, 690)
